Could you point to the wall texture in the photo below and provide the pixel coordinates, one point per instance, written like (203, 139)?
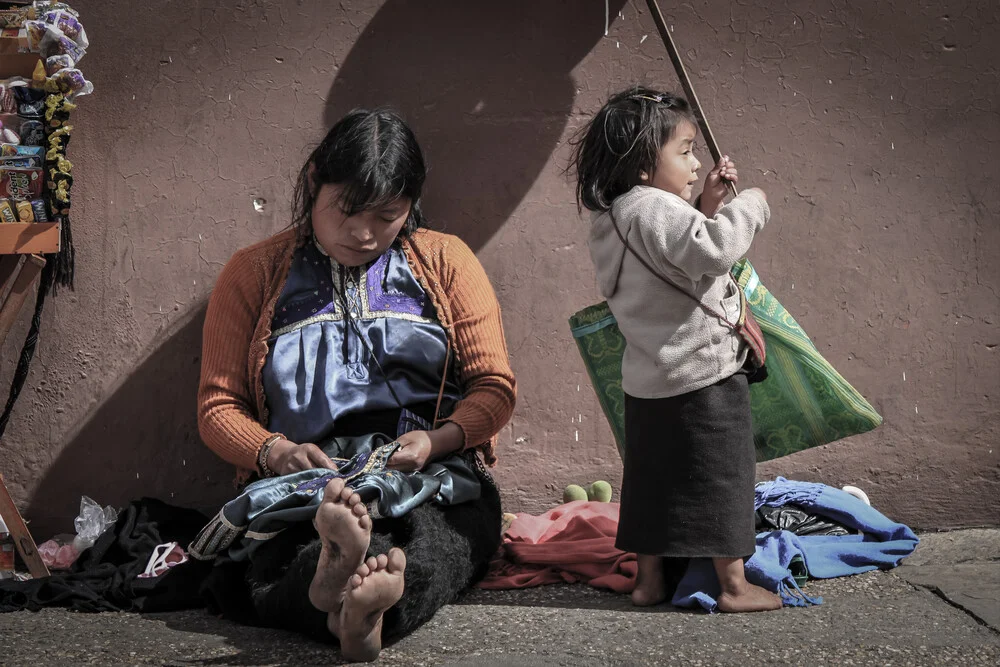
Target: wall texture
(874, 130)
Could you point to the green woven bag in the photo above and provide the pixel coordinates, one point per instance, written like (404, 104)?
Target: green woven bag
(803, 403)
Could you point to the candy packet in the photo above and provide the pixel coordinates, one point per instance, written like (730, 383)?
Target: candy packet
(69, 81)
(7, 213)
(8, 150)
(18, 183)
(30, 101)
(14, 17)
(24, 211)
(69, 25)
(24, 161)
(39, 211)
(55, 63)
(49, 40)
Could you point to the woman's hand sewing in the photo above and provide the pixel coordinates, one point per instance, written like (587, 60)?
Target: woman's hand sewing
(715, 186)
(418, 448)
(287, 457)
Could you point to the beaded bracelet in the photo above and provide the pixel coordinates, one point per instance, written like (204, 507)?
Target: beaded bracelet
(262, 455)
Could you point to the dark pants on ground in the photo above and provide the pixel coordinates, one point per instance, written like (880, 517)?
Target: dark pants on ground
(447, 550)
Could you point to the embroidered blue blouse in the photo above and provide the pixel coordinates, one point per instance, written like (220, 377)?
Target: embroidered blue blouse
(318, 371)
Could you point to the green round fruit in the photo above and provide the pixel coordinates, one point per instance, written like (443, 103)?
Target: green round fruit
(574, 492)
(599, 491)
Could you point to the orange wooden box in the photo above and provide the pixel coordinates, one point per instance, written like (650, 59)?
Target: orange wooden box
(35, 238)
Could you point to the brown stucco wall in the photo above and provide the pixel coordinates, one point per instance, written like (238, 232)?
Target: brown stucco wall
(874, 129)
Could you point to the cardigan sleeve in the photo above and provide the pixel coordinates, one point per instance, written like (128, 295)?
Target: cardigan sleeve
(678, 235)
(484, 365)
(226, 411)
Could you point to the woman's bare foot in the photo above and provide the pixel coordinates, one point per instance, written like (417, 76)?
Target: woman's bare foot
(650, 585)
(343, 524)
(375, 586)
(752, 598)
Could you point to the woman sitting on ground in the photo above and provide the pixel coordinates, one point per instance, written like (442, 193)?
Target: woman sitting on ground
(357, 322)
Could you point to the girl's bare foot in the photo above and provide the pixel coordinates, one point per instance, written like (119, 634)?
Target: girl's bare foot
(738, 594)
(343, 524)
(650, 585)
(372, 589)
(752, 598)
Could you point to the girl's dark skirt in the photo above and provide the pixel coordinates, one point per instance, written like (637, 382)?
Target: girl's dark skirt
(688, 481)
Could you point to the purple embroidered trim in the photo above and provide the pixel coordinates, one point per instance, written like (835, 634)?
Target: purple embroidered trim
(381, 301)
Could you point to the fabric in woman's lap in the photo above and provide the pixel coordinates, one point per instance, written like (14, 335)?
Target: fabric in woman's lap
(447, 550)
(687, 487)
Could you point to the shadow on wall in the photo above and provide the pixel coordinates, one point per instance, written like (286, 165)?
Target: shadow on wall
(486, 87)
(142, 441)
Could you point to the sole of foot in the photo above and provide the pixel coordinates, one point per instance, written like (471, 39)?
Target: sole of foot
(344, 527)
(375, 587)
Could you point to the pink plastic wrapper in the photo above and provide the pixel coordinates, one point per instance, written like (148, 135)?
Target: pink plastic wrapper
(58, 556)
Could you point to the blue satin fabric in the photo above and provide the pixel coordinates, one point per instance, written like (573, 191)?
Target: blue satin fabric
(317, 370)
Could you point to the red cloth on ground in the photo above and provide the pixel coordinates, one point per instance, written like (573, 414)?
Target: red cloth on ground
(570, 543)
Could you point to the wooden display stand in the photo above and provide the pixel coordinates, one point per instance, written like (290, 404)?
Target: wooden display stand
(21, 247)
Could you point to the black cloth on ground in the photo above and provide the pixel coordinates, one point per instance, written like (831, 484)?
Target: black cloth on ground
(105, 576)
(796, 520)
(688, 478)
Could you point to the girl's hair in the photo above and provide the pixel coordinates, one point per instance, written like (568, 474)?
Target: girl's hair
(374, 156)
(621, 141)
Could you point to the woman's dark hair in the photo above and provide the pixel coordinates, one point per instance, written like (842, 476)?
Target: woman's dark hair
(621, 141)
(374, 155)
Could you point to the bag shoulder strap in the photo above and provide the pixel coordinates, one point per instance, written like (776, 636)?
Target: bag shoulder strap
(711, 311)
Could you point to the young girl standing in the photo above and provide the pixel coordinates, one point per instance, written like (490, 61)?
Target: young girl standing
(687, 487)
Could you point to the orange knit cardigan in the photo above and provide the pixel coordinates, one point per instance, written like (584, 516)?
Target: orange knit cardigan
(232, 412)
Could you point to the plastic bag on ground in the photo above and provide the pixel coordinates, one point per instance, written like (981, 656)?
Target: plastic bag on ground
(59, 552)
(92, 522)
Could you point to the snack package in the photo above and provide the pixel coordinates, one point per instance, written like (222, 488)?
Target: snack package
(24, 211)
(69, 25)
(59, 188)
(55, 63)
(7, 102)
(20, 161)
(8, 150)
(58, 162)
(38, 210)
(57, 109)
(36, 31)
(58, 139)
(49, 40)
(18, 183)
(7, 211)
(32, 133)
(8, 136)
(30, 101)
(43, 6)
(15, 17)
(67, 80)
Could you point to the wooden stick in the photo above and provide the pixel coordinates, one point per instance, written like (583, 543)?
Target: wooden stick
(8, 269)
(675, 59)
(22, 536)
(12, 305)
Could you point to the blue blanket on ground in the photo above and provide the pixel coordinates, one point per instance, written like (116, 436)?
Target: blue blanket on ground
(882, 543)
